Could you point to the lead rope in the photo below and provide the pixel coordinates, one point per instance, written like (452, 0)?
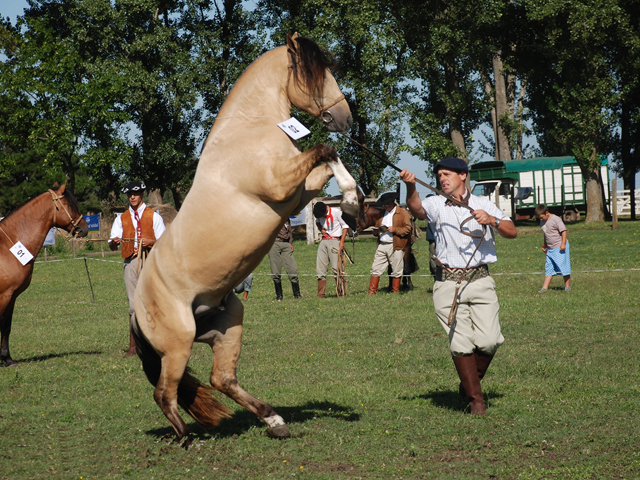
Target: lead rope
(454, 306)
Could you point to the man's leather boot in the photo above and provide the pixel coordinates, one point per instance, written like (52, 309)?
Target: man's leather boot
(395, 284)
(470, 382)
(482, 361)
(373, 285)
(322, 285)
(296, 290)
(278, 286)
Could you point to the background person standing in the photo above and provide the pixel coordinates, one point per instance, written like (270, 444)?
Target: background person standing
(281, 253)
(556, 247)
(393, 230)
(137, 230)
(334, 231)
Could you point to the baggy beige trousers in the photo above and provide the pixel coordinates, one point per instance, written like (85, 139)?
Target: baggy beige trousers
(386, 255)
(327, 255)
(281, 255)
(130, 279)
(477, 323)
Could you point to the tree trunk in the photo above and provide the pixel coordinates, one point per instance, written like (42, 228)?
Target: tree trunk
(177, 197)
(502, 141)
(519, 138)
(455, 126)
(595, 194)
(155, 196)
(488, 89)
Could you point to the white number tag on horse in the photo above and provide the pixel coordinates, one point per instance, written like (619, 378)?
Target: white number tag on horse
(21, 253)
(294, 128)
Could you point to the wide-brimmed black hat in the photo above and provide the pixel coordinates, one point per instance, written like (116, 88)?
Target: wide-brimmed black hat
(134, 187)
(387, 198)
(451, 163)
(319, 210)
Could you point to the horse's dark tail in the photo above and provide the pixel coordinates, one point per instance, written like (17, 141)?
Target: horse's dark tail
(194, 397)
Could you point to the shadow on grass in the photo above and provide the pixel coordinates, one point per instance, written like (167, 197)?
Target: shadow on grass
(42, 358)
(451, 399)
(243, 420)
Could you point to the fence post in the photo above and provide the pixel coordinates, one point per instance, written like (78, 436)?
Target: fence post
(614, 202)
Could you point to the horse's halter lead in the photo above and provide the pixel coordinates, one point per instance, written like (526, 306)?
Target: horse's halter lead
(56, 200)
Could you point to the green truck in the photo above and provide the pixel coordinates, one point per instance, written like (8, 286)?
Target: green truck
(518, 186)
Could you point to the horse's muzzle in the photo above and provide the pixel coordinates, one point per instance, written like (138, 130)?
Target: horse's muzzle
(338, 118)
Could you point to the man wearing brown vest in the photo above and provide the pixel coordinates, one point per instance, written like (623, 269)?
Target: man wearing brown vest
(137, 230)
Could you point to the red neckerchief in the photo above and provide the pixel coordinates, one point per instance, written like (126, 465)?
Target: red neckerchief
(328, 218)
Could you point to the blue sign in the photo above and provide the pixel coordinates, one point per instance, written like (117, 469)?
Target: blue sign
(93, 221)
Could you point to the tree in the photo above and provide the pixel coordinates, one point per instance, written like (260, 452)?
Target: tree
(571, 85)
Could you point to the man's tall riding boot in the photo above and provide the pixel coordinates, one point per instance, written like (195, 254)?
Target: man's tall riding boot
(395, 284)
(278, 286)
(132, 342)
(470, 382)
(322, 285)
(482, 361)
(373, 285)
(296, 290)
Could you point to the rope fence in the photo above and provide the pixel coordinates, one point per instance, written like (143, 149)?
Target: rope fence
(367, 275)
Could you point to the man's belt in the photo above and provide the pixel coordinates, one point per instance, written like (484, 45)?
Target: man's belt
(461, 274)
(329, 237)
(278, 239)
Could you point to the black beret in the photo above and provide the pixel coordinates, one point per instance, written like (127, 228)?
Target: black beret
(454, 164)
(319, 209)
(134, 187)
(387, 198)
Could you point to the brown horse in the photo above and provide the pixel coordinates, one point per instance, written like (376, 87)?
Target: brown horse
(368, 215)
(251, 176)
(29, 225)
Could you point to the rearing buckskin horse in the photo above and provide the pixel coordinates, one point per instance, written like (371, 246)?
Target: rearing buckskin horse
(251, 176)
(29, 225)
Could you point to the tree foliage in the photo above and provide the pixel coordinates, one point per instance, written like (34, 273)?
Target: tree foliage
(96, 92)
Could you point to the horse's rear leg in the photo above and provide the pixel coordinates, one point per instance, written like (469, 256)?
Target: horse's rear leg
(166, 392)
(225, 338)
(5, 328)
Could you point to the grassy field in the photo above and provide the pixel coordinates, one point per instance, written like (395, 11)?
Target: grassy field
(366, 384)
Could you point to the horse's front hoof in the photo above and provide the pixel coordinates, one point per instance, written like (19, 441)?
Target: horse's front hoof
(10, 363)
(350, 208)
(280, 431)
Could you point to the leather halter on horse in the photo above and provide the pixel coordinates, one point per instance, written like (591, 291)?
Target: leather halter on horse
(56, 200)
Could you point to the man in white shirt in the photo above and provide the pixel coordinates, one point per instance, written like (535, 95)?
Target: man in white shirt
(474, 333)
(334, 231)
(137, 230)
(393, 230)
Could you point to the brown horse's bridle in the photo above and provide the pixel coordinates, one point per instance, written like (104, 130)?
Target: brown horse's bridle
(56, 200)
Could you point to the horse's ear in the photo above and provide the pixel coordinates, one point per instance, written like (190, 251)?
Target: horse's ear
(290, 41)
(61, 188)
(56, 184)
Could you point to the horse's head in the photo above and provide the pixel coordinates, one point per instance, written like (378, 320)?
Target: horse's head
(66, 213)
(312, 88)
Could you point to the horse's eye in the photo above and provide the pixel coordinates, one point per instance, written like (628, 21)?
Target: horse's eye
(327, 117)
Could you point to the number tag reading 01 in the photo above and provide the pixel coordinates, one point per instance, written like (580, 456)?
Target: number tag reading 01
(21, 253)
(294, 128)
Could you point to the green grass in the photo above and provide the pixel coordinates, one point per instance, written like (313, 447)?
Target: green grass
(365, 383)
